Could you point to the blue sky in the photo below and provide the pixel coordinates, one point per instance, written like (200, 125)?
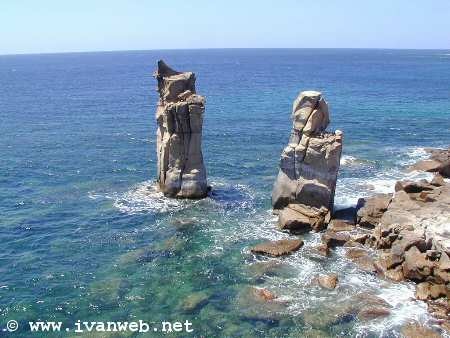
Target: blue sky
(41, 26)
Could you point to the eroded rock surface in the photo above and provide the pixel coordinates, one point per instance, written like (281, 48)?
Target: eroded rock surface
(411, 231)
(309, 166)
(181, 171)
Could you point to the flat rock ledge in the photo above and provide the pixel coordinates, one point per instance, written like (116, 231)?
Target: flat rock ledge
(179, 115)
(303, 193)
(277, 248)
(439, 162)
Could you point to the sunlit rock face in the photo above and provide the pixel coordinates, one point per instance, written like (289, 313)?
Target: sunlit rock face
(181, 171)
(309, 164)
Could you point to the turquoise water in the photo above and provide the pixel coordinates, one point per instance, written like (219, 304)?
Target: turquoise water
(84, 236)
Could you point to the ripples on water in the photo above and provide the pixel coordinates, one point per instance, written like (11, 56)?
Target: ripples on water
(86, 236)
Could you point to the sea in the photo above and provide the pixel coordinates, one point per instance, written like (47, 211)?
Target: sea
(85, 236)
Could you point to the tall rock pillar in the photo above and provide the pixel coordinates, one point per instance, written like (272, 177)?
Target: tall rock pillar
(306, 182)
(179, 115)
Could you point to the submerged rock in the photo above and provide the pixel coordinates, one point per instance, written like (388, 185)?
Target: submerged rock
(194, 301)
(414, 330)
(181, 171)
(278, 248)
(309, 165)
(259, 304)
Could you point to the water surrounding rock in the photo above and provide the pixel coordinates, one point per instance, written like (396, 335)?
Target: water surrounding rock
(414, 330)
(309, 164)
(181, 171)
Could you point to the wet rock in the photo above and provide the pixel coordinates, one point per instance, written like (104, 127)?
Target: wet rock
(326, 317)
(309, 164)
(277, 248)
(407, 239)
(264, 294)
(370, 210)
(396, 274)
(322, 249)
(389, 260)
(268, 268)
(438, 180)
(328, 281)
(300, 218)
(259, 304)
(426, 165)
(439, 308)
(353, 253)
(416, 267)
(413, 187)
(370, 299)
(442, 268)
(333, 239)
(439, 162)
(340, 225)
(373, 312)
(179, 115)
(353, 244)
(427, 290)
(194, 302)
(414, 330)
(365, 263)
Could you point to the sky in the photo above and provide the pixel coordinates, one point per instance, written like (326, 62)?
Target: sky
(49, 26)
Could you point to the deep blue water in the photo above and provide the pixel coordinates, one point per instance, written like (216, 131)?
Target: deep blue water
(82, 236)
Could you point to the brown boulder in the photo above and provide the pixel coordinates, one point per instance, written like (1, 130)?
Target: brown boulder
(389, 260)
(396, 274)
(277, 248)
(263, 294)
(412, 187)
(338, 225)
(407, 239)
(353, 253)
(426, 165)
(322, 249)
(365, 263)
(416, 266)
(328, 281)
(302, 218)
(334, 239)
(370, 210)
(438, 180)
(442, 270)
(427, 290)
(373, 312)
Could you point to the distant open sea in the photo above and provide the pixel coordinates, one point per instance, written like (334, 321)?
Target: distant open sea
(83, 235)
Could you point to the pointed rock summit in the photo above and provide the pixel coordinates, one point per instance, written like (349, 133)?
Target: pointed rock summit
(305, 186)
(179, 115)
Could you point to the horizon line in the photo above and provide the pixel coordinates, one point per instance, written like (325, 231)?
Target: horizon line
(222, 48)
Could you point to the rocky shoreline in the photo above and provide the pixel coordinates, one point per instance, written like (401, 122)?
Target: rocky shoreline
(401, 236)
